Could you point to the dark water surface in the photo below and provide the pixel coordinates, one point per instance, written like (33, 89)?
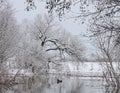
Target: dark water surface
(59, 84)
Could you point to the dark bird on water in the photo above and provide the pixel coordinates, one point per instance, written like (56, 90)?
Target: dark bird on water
(59, 81)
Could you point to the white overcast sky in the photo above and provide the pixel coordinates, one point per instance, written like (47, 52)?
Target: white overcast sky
(74, 28)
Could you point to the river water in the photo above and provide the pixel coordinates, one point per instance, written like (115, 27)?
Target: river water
(59, 84)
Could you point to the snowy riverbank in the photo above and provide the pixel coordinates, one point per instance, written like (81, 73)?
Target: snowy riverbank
(86, 69)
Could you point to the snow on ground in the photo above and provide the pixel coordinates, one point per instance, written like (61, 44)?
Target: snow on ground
(69, 68)
(24, 72)
(82, 69)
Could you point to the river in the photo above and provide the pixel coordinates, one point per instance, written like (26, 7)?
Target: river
(59, 84)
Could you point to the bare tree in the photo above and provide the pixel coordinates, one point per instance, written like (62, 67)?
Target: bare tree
(53, 39)
(8, 41)
(55, 43)
(105, 33)
(8, 34)
(105, 27)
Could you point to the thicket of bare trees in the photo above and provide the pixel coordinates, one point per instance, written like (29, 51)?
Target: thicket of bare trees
(8, 34)
(48, 43)
(8, 41)
(106, 43)
(39, 43)
(45, 42)
(35, 49)
(104, 27)
(52, 38)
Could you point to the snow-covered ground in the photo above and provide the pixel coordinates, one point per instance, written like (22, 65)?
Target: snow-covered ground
(22, 72)
(69, 68)
(80, 69)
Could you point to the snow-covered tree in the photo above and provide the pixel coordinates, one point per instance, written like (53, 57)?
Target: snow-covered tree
(8, 33)
(55, 40)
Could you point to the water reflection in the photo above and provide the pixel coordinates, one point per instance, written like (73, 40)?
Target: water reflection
(50, 84)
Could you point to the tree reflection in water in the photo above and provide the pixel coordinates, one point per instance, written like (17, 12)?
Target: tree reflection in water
(48, 84)
(111, 89)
